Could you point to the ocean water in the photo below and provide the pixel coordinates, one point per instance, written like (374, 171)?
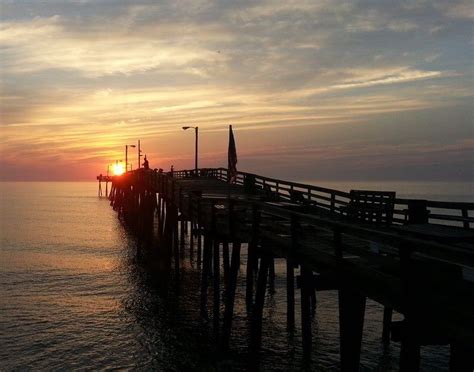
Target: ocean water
(73, 295)
(440, 191)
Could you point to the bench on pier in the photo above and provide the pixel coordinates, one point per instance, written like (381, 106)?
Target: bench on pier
(375, 207)
(298, 197)
(270, 195)
(307, 206)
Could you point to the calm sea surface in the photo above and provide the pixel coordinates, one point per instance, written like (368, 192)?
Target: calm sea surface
(73, 295)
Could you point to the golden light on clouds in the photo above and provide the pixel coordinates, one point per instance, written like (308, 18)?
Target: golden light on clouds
(81, 80)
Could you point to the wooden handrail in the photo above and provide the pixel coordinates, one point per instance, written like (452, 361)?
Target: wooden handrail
(330, 199)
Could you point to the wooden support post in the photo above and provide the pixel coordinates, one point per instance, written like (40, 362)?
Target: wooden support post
(175, 241)
(198, 229)
(217, 304)
(290, 277)
(461, 359)
(410, 346)
(168, 232)
(110, 195)
(313, 299)
(465, 215)
(158, 208)
(306, 285)
(251, 258)
(205, 275)
(351, 322)
(225, 258)
(249, 276)
(191, 241)
(165, 212)
(409, 350)
(199, 245)
(256, 336)
(139, 250)
(153, 203)
(271, 270)
(162, 217)
(290, 294)
(230, 295)
(181, 237)
(271, 275)
(387, 321)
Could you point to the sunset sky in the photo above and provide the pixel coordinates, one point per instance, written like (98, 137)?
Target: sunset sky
(330, 90)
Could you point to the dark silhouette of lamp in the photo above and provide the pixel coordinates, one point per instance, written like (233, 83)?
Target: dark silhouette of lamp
(126, 156)
(196, 130)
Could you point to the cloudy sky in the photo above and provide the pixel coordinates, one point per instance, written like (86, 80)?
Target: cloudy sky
(330, 90)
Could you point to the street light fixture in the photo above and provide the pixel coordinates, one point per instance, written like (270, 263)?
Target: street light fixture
(139, 153)
(196, 130)
(126, 156)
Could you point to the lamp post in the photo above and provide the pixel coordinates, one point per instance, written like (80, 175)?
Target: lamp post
(196, 130)
(126, 156)
(139, 155)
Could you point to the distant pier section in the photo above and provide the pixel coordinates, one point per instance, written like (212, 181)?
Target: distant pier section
(104, 179)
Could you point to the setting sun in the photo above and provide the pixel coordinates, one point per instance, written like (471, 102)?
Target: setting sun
(118, 169)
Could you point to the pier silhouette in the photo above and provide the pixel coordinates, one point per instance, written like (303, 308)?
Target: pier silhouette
(415, 257)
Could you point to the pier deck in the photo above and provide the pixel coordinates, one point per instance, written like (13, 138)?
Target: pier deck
(410, 263)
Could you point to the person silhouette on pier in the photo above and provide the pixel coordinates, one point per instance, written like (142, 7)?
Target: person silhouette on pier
(145, 163)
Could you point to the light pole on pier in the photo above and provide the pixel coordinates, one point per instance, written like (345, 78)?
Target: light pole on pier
(126, 156)
(139, 155)
(196, 130)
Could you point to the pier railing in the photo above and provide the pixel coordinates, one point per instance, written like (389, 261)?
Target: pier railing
(335, 201)
(412, 269)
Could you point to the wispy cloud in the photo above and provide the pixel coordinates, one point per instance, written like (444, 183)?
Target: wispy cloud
(463, 9)
(46, 43)
(79, 79)
(371, 78)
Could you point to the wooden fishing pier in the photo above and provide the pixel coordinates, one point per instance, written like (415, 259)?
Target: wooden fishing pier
(415, 257)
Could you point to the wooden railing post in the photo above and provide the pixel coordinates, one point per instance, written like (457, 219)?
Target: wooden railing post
(465, 214)
(417, 212)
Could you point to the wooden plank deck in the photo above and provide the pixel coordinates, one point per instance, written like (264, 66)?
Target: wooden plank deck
(418, 270)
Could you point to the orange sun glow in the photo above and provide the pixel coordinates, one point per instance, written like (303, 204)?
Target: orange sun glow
(118, 169)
